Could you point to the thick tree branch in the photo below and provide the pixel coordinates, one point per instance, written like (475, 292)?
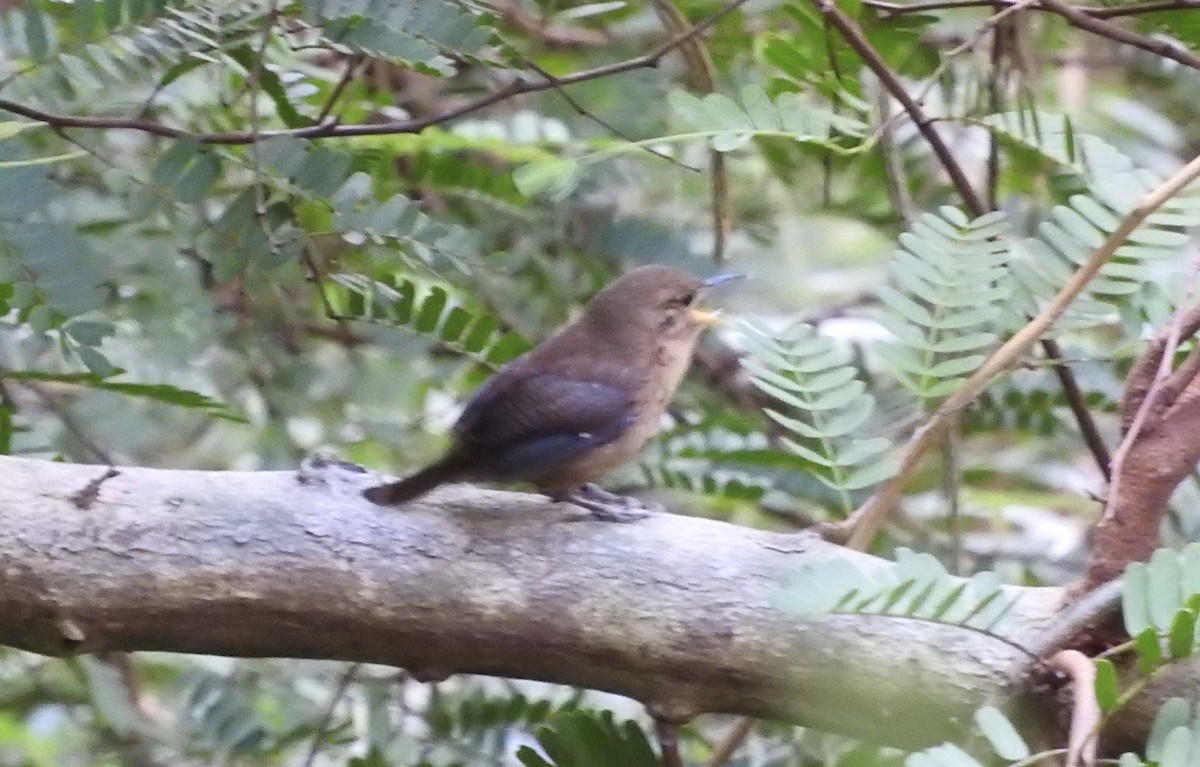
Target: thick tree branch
(1160, 416)
(680, 613)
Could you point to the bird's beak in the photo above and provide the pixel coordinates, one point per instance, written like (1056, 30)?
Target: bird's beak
(721, 279)
(705, 317)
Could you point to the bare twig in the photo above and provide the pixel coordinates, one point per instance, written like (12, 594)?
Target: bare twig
(260, 184)
(861, 526)
(857, 40)
(580, 109)
(668, 742)
(952, 493)
(339, 690)
(1157, 46)
(1085, 711)
(729, 744)
(1077, 403)
(335, 94)
(331, 129)
(894, 175)
(1002, 34)
(73, 427)
(549, 34)
(1134, 9)
(702, 76)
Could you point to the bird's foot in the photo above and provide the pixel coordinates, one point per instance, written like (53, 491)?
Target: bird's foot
(609, 507)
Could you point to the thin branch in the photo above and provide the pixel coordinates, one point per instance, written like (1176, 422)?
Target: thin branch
(1077, 403)
(1136, 9)
(317, 277)
(549, 34)
(1157, 46)
(968, 44)
(352, 67)
(702, 76)
(73, 427)
(952, 493)
(1002, 34)
(332, 129)
(260, 183)
(731, 742)
(579, 108)
(668, 742)
(861, 526)
(339, 691)
(901, 9)
(857, 40)
(894, 175)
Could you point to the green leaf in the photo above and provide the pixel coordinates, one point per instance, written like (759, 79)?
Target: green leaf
(1129, 759)
(1134, 603)
(271, 85)
(589, 739)
(42, 160)
(1190, 570)
(10, 128)
(1176, 748)
(96, 363)
(1149, 649)
(36, 36)
(1000, 733)
(1182, 639)
(165, 393)
(1174, 714)
(1107, 693)
(1163, 579)
(193, 184)
(89, 333)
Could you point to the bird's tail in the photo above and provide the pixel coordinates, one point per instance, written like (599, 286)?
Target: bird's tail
(448, 469)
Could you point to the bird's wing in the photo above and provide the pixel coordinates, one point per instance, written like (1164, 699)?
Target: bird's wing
(521, 425)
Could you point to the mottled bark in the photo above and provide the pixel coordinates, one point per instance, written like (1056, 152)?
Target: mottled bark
(674, 611)
(1160, 420)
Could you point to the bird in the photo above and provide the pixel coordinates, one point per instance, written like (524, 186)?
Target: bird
(581, 403)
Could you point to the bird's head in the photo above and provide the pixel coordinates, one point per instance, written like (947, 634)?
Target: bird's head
(656, 300)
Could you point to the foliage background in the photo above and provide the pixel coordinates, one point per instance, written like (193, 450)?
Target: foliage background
(176, 294)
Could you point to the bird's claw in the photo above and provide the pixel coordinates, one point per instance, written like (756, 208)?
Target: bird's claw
(609, 507)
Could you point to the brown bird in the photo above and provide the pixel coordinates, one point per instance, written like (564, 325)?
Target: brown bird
(581, 403)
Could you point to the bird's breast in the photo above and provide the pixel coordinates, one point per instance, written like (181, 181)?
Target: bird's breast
(663, 370)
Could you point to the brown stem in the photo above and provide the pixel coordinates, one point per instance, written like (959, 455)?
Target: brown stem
(729, 744)
(331, 129)
(668, 742)
(1133, 9)
(1122, 35)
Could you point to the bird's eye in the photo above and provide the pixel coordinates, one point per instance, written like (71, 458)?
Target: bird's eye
(684, 300)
